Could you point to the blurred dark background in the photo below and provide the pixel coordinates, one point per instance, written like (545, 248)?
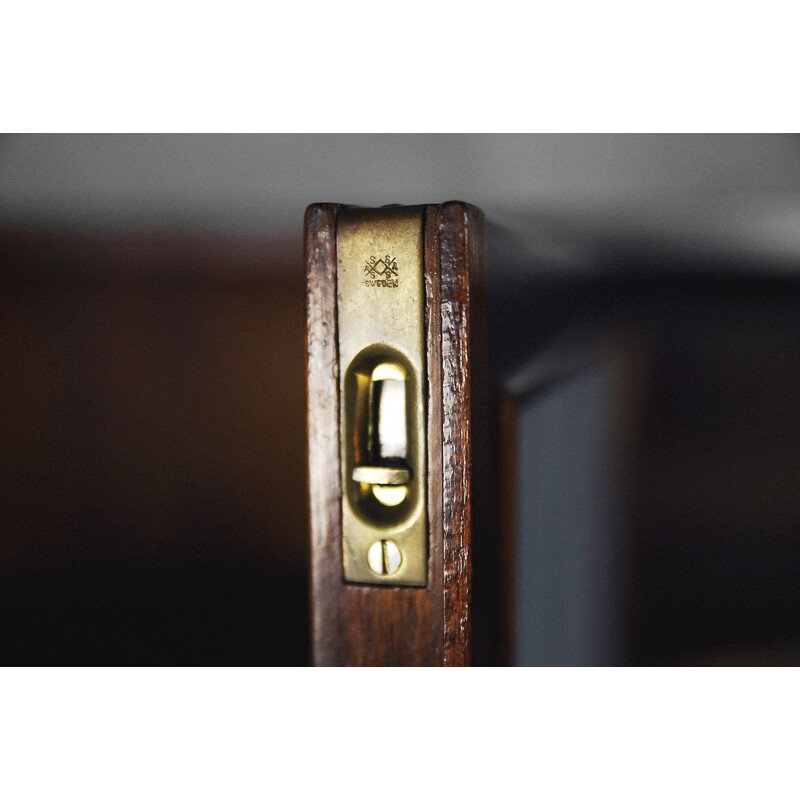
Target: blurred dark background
(643, 299)
(153, 434)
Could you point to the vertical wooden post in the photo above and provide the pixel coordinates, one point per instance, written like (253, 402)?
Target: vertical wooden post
(398, 625)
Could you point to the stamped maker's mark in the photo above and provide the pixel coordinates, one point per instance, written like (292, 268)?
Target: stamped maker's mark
(382, 272)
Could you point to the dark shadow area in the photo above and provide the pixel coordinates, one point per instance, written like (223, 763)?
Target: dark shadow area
(152, 479)
(687, 450)
(147, 614)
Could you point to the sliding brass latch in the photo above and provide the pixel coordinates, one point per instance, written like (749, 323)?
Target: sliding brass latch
(381, 323)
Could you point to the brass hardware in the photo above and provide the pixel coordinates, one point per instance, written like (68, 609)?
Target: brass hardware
(382, 476)
(380, 291)
(384, 557)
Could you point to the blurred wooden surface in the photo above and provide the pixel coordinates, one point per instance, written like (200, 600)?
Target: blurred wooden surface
(152, 482)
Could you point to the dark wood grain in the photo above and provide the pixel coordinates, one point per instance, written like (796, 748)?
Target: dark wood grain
(433, 330)
(324, 483)
(460, 252)
(402, 626)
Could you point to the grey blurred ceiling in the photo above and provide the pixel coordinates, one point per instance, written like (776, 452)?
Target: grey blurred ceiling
(572, 203)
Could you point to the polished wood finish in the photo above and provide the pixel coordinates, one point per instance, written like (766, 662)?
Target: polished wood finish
(378, 625)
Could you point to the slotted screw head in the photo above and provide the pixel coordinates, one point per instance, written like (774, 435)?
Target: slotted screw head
(384, 557)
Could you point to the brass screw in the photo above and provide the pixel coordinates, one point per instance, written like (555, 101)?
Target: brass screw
(384, 557)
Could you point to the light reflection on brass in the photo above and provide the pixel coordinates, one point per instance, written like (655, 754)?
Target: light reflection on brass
(383, 476)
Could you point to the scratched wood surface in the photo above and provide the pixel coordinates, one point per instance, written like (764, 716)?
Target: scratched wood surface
(401, 626)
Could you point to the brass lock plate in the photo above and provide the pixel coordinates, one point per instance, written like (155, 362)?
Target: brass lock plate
(381, 323)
